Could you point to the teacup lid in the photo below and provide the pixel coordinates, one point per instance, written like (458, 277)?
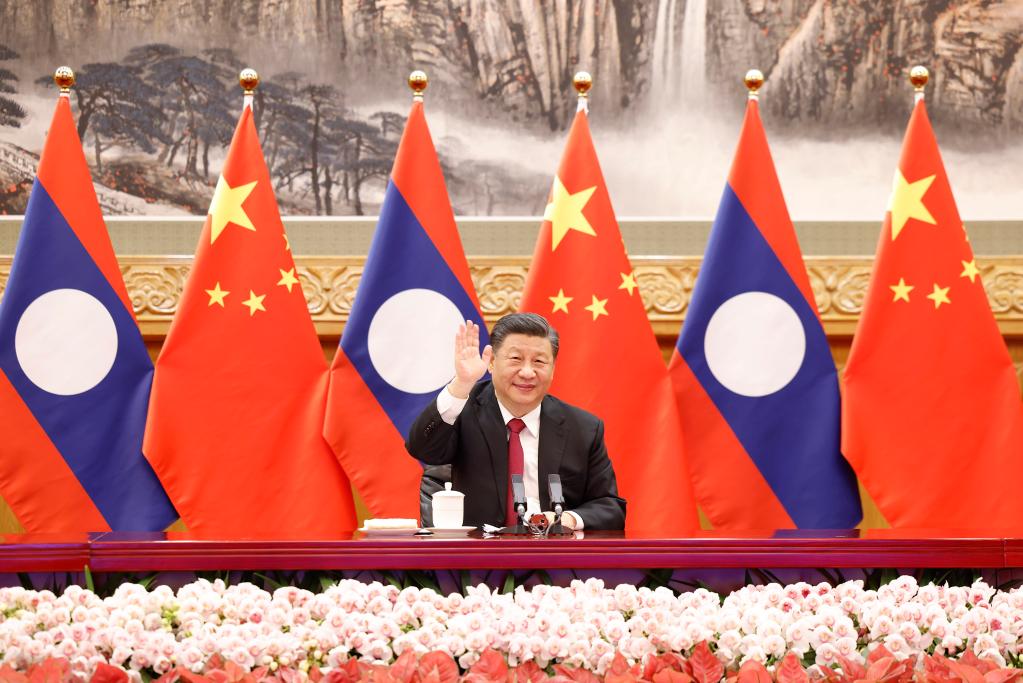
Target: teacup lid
(448, 493)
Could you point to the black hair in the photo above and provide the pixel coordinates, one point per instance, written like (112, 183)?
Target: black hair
(529, 324)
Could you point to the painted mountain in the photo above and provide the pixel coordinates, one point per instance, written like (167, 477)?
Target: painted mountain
(158, 96)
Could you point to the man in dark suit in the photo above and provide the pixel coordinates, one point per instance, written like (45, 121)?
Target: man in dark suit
(489, 430)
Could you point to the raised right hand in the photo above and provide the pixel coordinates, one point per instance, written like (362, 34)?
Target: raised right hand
(470, 365)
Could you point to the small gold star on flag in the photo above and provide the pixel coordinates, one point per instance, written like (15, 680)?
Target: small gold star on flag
(597, 308)
(939, 296)
(217, 295)
(255, 303)
(901, 290)
(628, 282)
(288, 279)
(560, 301)
(970, 270)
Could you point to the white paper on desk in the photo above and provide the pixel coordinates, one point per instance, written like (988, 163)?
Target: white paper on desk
(381, 523)
(491, 529)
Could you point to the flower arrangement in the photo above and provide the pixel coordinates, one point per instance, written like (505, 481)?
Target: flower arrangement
(898, 633)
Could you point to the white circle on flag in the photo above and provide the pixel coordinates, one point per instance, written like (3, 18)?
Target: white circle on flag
(66, 342)
(755, 344)
(412, 340)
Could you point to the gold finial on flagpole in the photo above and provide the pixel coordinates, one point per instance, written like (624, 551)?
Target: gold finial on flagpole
(417, 82)
(64, 77)
(248, 79)
(582, 82)
(919, 76)
(753, 79)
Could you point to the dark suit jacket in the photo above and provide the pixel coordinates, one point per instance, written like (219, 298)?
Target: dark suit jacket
(476, 446)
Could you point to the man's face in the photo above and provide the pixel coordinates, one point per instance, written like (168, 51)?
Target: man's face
(522, 370)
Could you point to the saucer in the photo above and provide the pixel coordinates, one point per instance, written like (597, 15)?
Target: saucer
(451, 529)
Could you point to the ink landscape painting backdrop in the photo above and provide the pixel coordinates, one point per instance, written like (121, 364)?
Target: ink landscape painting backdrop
(158, 98)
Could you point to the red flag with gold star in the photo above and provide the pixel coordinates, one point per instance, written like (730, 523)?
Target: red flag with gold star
(237, 408)
(609, 363)
(932, 418)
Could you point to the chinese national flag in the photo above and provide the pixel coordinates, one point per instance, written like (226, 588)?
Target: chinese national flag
(932, 419)
(609, 362)
(236, 414)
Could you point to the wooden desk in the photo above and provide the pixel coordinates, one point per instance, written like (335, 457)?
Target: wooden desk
(157, 552)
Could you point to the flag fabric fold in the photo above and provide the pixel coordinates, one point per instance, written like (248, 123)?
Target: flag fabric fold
(609, 363)
(237, 409)
(397, 348)
(74, 371)
(755, 381)
(932, 418)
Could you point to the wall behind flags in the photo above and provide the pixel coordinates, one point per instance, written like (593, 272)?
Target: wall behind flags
(665, 253)
(157, 100)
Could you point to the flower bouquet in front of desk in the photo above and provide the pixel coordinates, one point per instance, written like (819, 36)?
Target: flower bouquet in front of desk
(586, 632)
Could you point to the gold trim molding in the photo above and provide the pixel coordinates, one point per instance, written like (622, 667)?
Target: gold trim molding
(666, 284)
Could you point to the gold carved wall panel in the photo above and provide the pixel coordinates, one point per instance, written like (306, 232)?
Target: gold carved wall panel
(666, 284)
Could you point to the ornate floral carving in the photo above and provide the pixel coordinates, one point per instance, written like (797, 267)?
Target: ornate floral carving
(1004, 286)
(341, 284)
(839, 287)
(499, 288)
(666, 289)
(154, 289)
(666, 284)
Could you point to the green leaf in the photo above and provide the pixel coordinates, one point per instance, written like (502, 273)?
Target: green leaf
(424, 579)
(268, 580)
(509, 583)
(88, 579)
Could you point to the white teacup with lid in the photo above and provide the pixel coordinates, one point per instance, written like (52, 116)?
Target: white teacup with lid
(448, 507)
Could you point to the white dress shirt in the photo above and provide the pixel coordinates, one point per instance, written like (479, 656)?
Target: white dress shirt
(450, 407)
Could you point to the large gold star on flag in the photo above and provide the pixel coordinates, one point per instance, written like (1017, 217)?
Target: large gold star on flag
(226, 207)
(907, 201)
(565, 212)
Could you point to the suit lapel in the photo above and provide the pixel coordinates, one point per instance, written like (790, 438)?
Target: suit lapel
(495, 433)
(552, 446)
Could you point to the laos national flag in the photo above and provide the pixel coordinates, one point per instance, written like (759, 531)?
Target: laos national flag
(74, 371)
(397, 349)
(754, 377)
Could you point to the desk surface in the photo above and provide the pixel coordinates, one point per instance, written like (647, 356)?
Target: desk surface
(129, 552)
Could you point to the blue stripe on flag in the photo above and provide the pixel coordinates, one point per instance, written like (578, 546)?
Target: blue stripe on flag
(97, 432)
(401, 257)
(796, 429)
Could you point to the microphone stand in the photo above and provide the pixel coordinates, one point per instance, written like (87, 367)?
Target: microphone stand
(519, 496)
(558, 505)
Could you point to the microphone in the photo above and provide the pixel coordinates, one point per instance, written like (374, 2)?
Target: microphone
(557, 497)
(557, 505)
(519, 496)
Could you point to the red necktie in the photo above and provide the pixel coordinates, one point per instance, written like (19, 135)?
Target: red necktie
(516, 465)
